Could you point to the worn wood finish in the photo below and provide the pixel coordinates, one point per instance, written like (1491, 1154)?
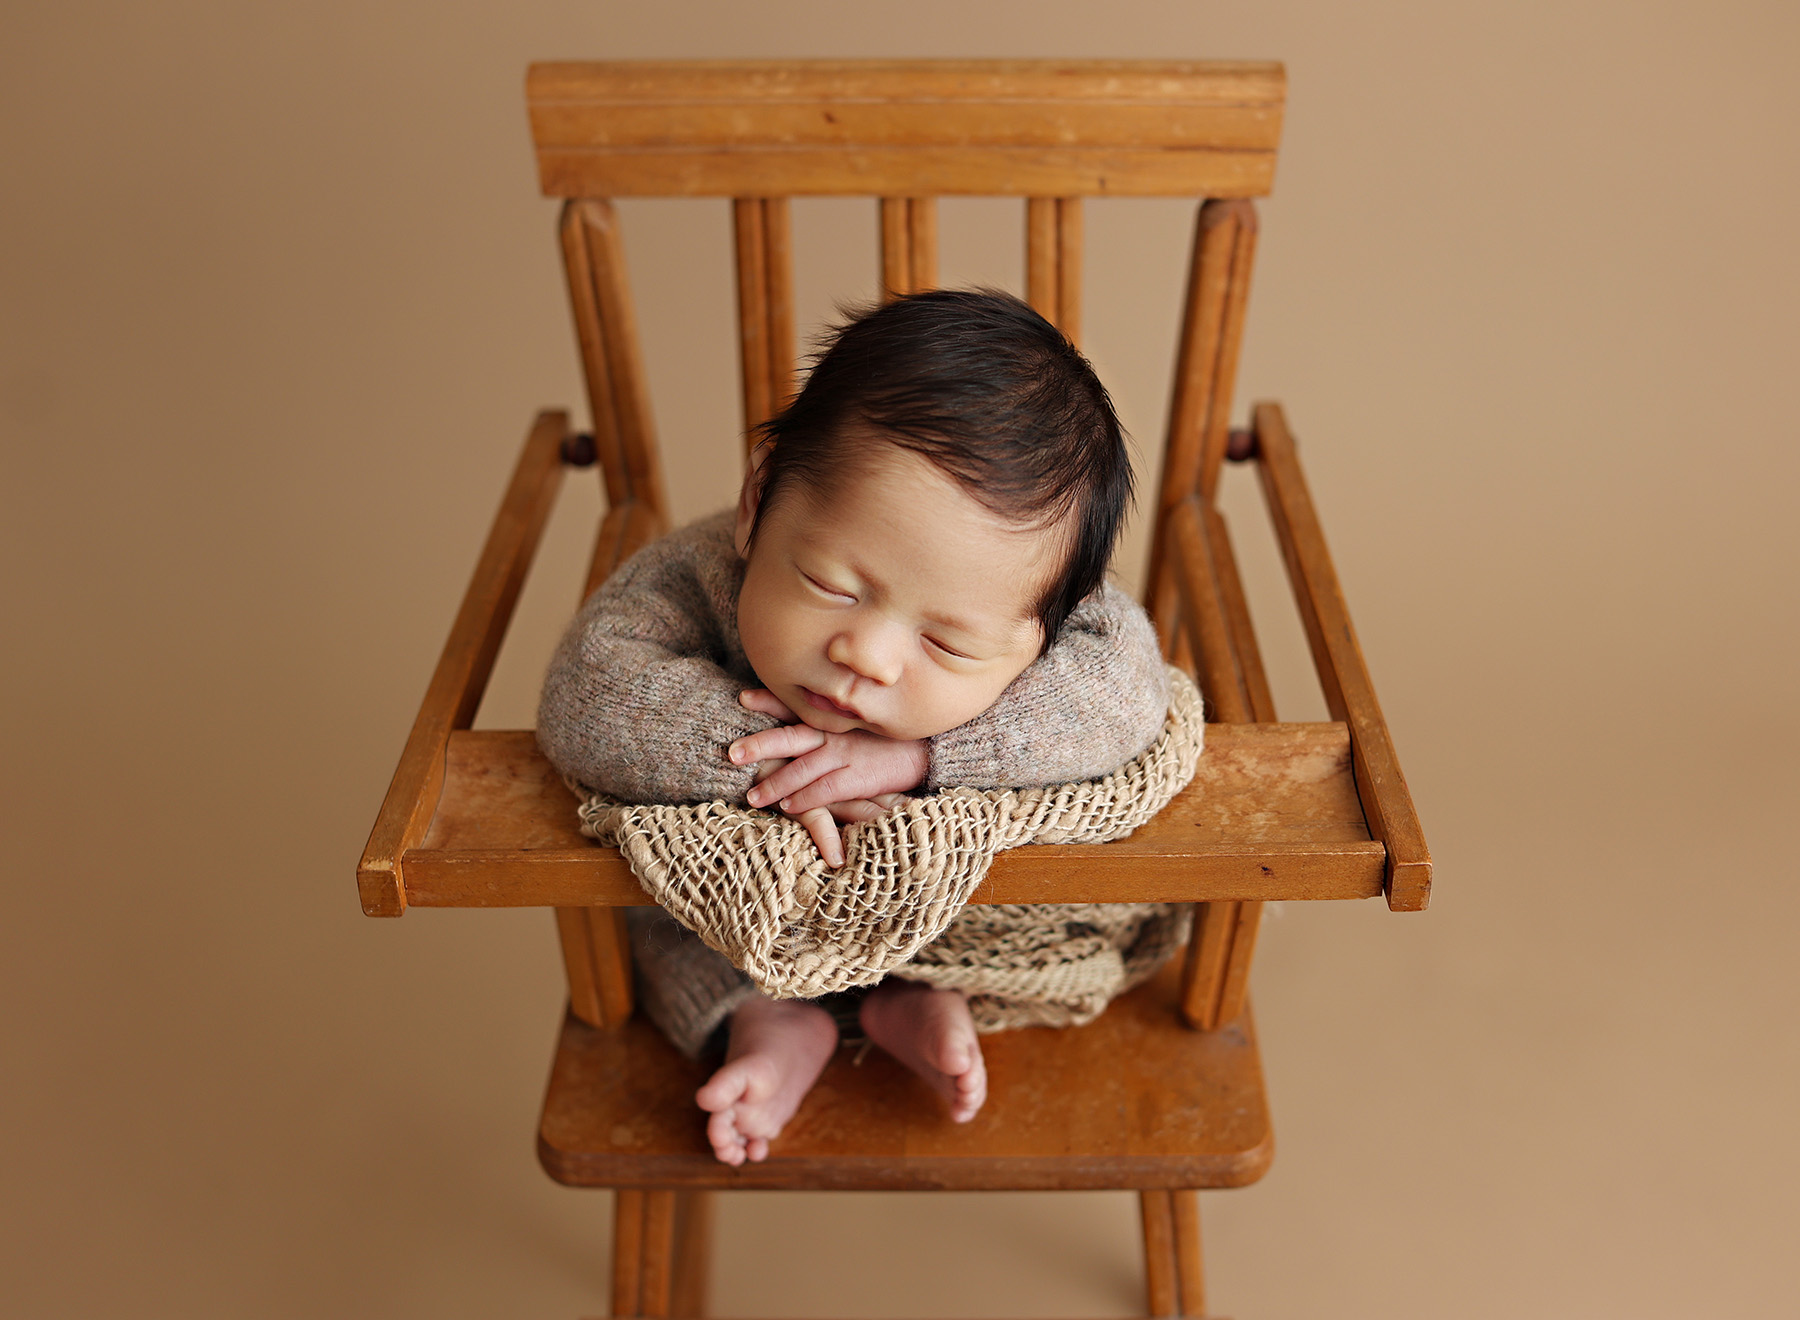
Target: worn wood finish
(1190, 1273)
(1349, 692)
(1131, 1100)
(463, 667)
(765, 280)
(906, 129)
(606, 327)
(1272, 813)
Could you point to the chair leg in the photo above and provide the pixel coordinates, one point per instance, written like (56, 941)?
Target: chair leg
(1157, 1208)
(643, 1252)
(659, 1254)
(693, 1254)
(628, 1250)
(1173, 1277)
(1190, 1274)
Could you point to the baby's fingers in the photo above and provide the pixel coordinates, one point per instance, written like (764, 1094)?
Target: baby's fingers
(765, 702)
(861, 809)
(824, 833)
(795, 784)
(781, 743)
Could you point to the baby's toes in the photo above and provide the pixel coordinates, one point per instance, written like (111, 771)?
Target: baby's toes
(723, 1135)
(971, 1092)
(723, 1089)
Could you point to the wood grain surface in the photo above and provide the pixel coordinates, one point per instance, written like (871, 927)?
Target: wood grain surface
(1133, 1099)
(1272, 813)
(906, 129)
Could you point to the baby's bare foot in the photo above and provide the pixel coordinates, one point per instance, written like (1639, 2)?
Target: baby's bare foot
(931, 1032)
(778, 1049)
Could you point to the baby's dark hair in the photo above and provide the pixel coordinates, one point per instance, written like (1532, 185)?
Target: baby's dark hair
(990, 392)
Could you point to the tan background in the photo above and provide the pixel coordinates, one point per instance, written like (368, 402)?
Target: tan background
(279, 298)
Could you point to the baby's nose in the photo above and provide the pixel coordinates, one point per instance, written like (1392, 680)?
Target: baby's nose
(869, 653)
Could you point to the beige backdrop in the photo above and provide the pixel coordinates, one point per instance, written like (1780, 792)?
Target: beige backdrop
(279, 298)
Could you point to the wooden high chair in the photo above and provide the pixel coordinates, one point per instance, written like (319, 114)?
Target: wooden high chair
(1164, 1093)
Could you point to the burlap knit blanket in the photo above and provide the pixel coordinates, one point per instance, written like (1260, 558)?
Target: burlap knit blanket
(752, 886)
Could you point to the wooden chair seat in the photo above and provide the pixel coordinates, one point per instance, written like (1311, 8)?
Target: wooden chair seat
(1132, 1100)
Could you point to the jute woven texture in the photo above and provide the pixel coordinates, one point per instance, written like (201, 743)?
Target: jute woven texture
(752, 885)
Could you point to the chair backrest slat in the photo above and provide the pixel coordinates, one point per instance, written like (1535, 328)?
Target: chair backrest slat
(765, 282)
(909, 245)
(1053, 261)
(606, 330)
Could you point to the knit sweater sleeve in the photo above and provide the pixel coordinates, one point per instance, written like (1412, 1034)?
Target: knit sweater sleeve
(642, 695)
(1093, 701)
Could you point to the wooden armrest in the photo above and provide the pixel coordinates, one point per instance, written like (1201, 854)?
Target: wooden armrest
(464, 666)
(1272, 813)
(1349, 692)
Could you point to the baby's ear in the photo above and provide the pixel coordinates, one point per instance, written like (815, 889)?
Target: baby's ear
(750, 498)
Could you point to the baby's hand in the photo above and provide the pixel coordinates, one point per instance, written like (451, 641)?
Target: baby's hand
(821, 778)
(823, 768)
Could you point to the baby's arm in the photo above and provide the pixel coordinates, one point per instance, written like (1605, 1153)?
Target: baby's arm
(1092, 702)
(634, 706)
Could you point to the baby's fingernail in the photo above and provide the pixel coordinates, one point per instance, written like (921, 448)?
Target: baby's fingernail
(735, 752)
(787, 804)
(755, 796)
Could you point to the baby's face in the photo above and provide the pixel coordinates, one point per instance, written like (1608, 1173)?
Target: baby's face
(898, 604)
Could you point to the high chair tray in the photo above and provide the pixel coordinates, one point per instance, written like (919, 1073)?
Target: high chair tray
(1272, 813)
(1133, 1099)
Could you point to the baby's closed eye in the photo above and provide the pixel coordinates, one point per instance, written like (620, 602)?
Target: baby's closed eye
(829, 591)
